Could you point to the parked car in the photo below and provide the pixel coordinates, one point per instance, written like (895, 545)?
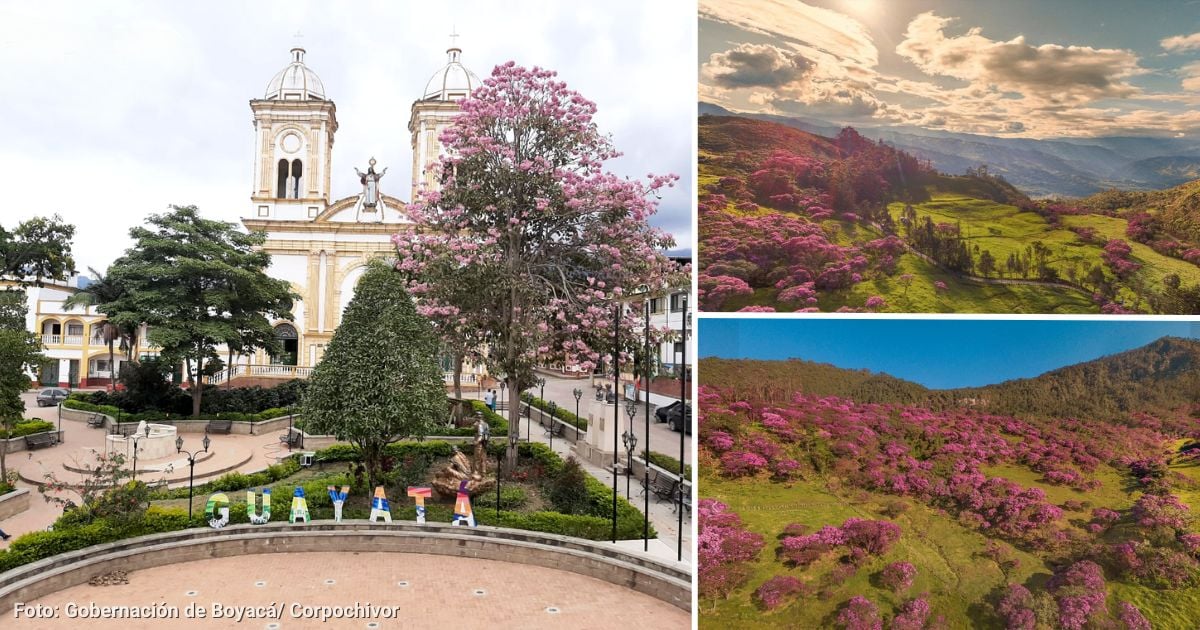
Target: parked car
(680, 418)
(661, 413)
(52, 396)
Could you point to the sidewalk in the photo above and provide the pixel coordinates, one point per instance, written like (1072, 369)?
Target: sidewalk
(662, 515)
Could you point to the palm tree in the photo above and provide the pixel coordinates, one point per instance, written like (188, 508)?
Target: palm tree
(103, 290)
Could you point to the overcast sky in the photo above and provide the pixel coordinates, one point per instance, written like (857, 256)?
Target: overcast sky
(115, 110)
(1025, 68)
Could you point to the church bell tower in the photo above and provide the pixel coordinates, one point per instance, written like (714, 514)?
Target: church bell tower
(294, 124)
(433, 112)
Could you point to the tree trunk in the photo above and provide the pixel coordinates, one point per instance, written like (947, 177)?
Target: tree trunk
(197, 386)
(112, 366)
(458, 363)
(229, 370)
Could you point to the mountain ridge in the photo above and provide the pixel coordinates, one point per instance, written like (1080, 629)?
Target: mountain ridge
(1071, 167)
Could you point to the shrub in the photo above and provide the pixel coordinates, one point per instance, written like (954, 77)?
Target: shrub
(27, 427)
(722, 548)
(668, 463)
(898, 576)
(560, 413)
(860, 614)
(777, 590)
(912, 616)
(567, 490)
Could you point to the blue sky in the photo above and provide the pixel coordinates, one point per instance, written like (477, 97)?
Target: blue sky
(935, 353)
(1022, 68)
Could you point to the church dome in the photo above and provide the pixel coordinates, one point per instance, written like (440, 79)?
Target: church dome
(453, 82)
(296, 82)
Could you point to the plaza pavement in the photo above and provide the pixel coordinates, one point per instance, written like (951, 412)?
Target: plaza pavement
(428, 591)
(244, 453)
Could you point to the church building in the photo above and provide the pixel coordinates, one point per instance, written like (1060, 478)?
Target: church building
(322, 245)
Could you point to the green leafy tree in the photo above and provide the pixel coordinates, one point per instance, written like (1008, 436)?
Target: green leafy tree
(198, 283)
(380, 379)
(20, 350)
(37, 249)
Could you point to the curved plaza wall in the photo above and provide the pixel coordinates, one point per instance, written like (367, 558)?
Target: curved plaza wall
(667, 582)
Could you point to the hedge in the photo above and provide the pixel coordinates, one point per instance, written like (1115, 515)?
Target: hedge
(159, 416)
(560, 413)
(39, 545)
(668, 463)
(27, 427)
(234, 481)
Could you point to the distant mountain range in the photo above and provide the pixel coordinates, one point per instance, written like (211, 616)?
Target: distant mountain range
(1163, 375)
(1073, 167)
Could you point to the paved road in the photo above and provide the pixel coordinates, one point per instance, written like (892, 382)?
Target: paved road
(662, 439)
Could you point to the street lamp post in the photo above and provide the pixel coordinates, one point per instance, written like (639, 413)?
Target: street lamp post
(191, 467)
(683, 415)
(541, 383)
(630, 440)
(136, 437)
(578, 393)
(553, 410)
(616, 408)
(646, 466)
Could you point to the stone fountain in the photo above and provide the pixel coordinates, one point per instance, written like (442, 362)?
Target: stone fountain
(158, 444)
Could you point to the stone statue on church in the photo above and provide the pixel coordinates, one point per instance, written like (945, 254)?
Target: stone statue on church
(370, 183)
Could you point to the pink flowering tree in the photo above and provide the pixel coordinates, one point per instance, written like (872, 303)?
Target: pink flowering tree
(860, 614)
(550, 239)
(898, 576)
(723, 547)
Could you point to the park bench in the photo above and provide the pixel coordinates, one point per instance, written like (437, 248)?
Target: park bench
(219, 426)
(664, 486)
(37, 440)
(684, 497)
(96, 420)
(552, 426)
(293, 439)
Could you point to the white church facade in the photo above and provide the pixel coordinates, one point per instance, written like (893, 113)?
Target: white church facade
(318, 244)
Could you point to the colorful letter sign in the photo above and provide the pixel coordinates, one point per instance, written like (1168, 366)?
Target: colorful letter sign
(339, 499)
(217, 510)
(462, 507)
(252, 512)
(379, 507)
(420, 494)
(299, 507)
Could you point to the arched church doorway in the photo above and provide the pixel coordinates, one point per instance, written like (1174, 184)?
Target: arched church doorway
(290, 342)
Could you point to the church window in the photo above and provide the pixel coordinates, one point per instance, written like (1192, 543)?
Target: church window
(297, 179)
(281, 190)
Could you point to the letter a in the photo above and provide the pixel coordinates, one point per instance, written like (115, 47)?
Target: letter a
(299, 507)
(380, 509)
(462, 507)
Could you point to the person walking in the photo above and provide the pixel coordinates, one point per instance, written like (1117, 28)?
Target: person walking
(489, 399)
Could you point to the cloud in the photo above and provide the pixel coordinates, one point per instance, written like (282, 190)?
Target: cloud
(1181, 43)
(795, 22)
(1191, 76)
(1050, 73)
(757, 65)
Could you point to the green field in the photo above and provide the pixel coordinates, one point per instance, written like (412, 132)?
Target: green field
(948, 556)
